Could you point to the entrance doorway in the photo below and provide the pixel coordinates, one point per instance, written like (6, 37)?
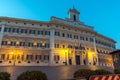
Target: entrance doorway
(77, 59)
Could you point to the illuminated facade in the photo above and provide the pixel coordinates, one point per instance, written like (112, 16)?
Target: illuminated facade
(58, 42)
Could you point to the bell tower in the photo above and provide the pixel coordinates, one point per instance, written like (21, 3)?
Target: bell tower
(73, 14)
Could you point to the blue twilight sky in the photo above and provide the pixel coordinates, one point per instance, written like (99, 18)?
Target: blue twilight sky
(104, 15)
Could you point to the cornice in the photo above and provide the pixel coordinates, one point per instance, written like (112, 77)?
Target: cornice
(23, 20)
(52, 24)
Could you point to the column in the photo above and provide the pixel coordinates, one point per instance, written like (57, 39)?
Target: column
(51, 54)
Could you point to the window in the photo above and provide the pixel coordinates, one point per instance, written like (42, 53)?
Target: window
(13, 43)
(56, 45)
(69, 35)
(22, 43)
(69, 46)
(63, 46)
(40, 32)
(30, 44)
(7, 29)
(46, 57)
(0, 28)
(115, 58)
(24, 31)
(29, 57)
(91, 39)
(74, 17)
(32, 32)
(63, 35)
(81, 38)
(40, 24)
(39, 44)
(47, 45)
(15, 30)
(57, 33)
(4, 42)
(75, 36)
(38, 57)
(47, 32)
(86, 39)
(56, 57)
(2, 56)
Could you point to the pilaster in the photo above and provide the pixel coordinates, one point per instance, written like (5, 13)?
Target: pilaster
(74, 58)
(1, 33)
(51, 61)
(81, 59)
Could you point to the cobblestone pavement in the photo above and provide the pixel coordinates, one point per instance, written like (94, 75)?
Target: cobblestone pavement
(53, 72)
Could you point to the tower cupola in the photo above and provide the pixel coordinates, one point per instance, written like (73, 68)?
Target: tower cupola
(73, 14)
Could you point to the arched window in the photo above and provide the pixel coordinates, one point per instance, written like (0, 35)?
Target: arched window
(74, 17)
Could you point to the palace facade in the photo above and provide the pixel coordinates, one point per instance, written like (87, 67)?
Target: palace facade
(57, 42)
